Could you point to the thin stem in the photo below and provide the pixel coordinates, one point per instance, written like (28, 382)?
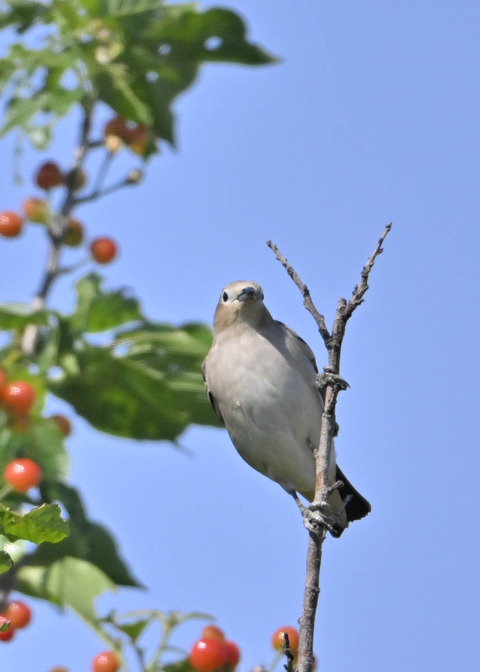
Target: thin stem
(57, 232)
(307, 299)
(99, 193)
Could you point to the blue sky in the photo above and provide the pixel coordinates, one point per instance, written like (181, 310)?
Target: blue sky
(371, 116)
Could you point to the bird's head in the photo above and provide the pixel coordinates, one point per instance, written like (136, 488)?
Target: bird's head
(240, 303)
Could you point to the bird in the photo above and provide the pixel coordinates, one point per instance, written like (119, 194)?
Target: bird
(261, 380)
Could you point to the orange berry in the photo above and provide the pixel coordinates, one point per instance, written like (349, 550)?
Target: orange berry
(3, 380)
(10, 224)
(18, 613)
(22, 474)
(36, 209)
(103, 250)
(107, 661)
(278, 639)
(49, 175)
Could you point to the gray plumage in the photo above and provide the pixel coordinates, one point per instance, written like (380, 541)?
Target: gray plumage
(261, 380)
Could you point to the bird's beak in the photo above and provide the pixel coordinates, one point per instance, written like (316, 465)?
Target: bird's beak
(247, 293)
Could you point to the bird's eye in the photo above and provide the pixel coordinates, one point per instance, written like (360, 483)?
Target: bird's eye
(225, 296)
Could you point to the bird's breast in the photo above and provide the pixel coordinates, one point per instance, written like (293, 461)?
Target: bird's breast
(267, 397)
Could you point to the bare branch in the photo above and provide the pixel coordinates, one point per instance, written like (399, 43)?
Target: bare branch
(307, 300)
(330, 384)
(359, 290)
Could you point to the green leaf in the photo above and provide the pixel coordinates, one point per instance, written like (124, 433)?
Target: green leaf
(100, 311)
(43, 523)
(42, 442)
(136, 56)
(39, 136)
(22, 111)
(18, 315)
(147, 386)
(6, 562)
(178, 666)
(87, 540)
(161, 54)
(133, 630)
(13, 549)
(23, 14)
(69, 582)
(215, 35)
(129, 7)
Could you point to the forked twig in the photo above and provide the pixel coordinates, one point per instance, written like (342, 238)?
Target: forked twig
(331, 384)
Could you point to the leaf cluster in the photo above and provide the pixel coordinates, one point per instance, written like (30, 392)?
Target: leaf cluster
(143, 382)
(137, 56)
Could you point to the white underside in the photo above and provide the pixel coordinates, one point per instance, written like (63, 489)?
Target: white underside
(270, 405)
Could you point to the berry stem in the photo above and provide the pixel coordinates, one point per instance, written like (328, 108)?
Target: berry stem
(57, 231)
(99, 193)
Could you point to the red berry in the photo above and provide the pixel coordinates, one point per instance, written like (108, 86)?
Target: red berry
(36, 209)
(278, 639)
(103, 250)
(6, 629)
(19, 614)
(213, 632)
(19, 396)
(49, 175)
(3, 380)
(107, 661)
(208, 655)
(74, 233)
(233, 654)
(22, 474)
(117, 127)
(10, 224)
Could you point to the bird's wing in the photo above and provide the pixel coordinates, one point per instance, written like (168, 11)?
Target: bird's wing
(307, 351)
(211, 398)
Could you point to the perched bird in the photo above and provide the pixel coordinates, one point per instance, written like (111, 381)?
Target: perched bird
(261, 381)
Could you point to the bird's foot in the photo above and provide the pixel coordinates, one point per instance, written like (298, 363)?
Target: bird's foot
(315, 516)
(330, 378)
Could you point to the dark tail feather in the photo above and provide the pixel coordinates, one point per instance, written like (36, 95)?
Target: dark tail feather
(357, 507)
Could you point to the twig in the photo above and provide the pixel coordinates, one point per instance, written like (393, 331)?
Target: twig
(307, 300)
(331, 384)
(57, 232)
(288, 653)
(99, 193)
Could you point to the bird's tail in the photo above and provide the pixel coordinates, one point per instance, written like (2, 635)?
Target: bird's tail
(357, 507)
